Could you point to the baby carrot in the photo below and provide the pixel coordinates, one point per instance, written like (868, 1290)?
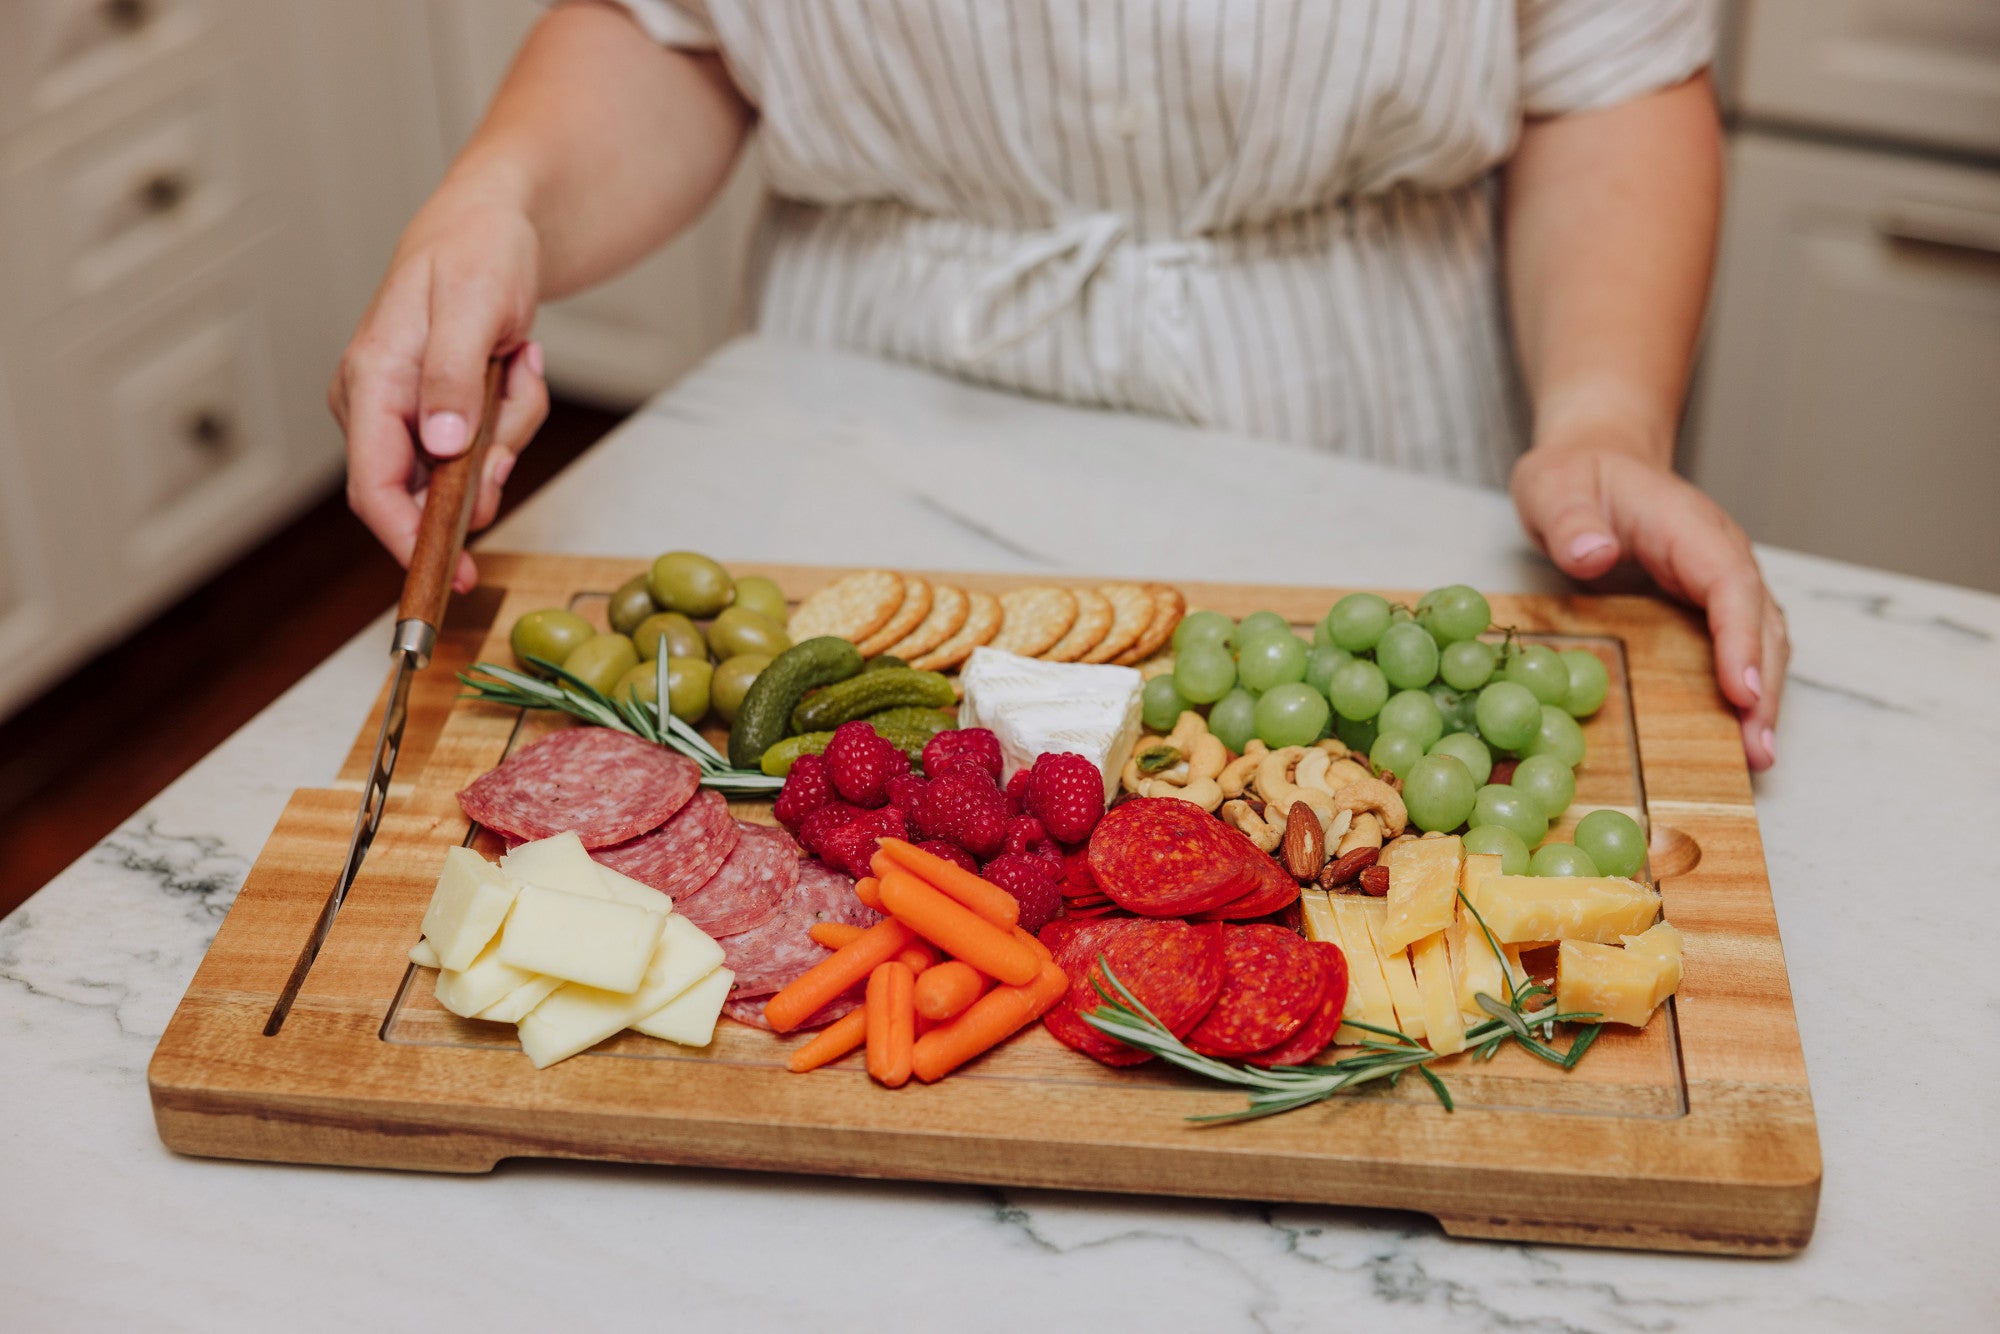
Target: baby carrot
(991, 1020)
(864, 889)
(956, 929)
(984, 897)
(947, 989)
(918, 955)
(836, 973)
(891, 1023)
(834, 934)
(831, 1043)
(1027, 938)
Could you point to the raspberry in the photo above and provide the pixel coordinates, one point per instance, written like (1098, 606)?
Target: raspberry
(813, 830)
(1017, 793)
(905, 791)
(1026, 837)
(852, 846)
(976, 742)
(962, 806)
(1066, 793)
(807, 788)
(951, 852)
(1032, 884)
(861, 763)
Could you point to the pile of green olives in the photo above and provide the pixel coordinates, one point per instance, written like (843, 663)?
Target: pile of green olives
(655, 614)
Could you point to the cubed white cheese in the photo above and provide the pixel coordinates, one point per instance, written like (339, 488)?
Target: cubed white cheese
(577, 1018)
(514, 1006)
(467, 907)
(1034, 707)
(424, 955)
(562, 862)
(466, 992)
(689, 1018)
(597, 942)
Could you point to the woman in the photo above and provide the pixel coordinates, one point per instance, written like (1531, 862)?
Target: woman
(1471, 237)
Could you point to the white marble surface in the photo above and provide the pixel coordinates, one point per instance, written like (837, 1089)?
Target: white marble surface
(1877, 823)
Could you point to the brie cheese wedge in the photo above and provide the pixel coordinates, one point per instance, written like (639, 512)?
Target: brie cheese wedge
(1035, 707)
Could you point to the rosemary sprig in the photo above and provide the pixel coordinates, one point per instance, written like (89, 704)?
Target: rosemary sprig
(567, 693)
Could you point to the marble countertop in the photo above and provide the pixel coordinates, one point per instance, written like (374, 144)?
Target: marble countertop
(1875, 822)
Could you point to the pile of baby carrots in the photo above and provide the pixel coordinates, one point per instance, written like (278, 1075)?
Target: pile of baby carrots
(950, 972)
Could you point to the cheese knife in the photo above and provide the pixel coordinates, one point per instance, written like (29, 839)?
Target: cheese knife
(453, 487)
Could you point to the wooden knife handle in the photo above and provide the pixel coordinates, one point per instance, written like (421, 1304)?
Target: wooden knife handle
(454, 486)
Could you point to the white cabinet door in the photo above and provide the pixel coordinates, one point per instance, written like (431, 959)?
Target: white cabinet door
(1850, 395)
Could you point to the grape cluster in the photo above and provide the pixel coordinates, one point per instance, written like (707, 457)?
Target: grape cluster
(1424, 697)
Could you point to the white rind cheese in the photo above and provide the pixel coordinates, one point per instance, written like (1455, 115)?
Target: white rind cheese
(1035, 707)
(595, 942)
(466, 909)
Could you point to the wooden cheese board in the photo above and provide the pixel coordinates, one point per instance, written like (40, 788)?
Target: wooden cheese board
(1694, 1134)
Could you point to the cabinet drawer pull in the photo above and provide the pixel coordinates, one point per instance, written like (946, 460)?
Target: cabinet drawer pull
(210, 429)
(1951, 225)
(126, 15)
(163, 191)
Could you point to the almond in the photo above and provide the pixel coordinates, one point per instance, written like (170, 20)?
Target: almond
(1345, 870)
(1375, 880)
(1304, 848)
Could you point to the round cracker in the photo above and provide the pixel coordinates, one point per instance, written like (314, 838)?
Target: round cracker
(853, 606)
(1168, 606)
(1093, 618)
(982, 622)
(1034, 618)
(1131, 614)
(916, 606)
(949, 608)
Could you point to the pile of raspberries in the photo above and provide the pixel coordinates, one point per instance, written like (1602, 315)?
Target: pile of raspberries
(863, 789)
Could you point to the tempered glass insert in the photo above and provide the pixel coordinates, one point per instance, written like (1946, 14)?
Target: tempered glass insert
(1627, 1074)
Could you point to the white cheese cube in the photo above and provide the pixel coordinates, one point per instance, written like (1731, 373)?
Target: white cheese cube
(577, 1018)
(514, 1006)
(467, 992)
(563, 863)
(424, 955)
(1034, 707)
(689, 1018)
(597, 942)
(467, 908)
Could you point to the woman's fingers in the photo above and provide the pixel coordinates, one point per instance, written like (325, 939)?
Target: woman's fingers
(1561, 500)
(382, 465)
(524, 406)
(470, 323)
(1760, 739)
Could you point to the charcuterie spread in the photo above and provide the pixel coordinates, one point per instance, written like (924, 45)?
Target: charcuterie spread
(1292, 862)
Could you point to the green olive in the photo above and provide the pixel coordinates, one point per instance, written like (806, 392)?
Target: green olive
(631, 604)
(602, 661)
(551, 635)
(690, 584)
(739, 630)
(687, 687)
(732, 680)
(756, 593)
(682, 639)
(639, 684)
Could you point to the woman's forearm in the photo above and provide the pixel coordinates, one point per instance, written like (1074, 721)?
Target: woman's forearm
(1609, 230)
(607, 142)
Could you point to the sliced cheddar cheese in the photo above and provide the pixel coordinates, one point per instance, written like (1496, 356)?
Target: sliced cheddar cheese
(1622, 986)
(1442, 1024)
(1423, 890)
(1522, 909)
(1396, 972)
(1367, 992)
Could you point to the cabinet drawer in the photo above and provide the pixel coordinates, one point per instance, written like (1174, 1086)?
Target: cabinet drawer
(54, 52)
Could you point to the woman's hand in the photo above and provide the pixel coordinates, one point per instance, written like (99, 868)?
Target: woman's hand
(461, 289)
(1590, 507)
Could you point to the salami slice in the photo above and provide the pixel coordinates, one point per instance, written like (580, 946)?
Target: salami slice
(1271, 986)
(1273, 889)
(679, 857)
(1312, 1039)
(767, 957)
(1174, 969)
(750, 887)
(607, 786)
(1163, 858)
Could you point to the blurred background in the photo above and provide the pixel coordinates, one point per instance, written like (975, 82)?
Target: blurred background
(197, 198)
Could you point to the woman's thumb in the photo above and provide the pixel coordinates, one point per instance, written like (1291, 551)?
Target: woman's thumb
(1563, 508)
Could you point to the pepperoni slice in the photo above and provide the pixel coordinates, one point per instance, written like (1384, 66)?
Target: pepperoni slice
(608, 786)
(1273, 890)
(679, 857)
(1173, 968)
(1164, 858)
(766, 958)
(1318, 1031)
(1271, 986)
(750, 887)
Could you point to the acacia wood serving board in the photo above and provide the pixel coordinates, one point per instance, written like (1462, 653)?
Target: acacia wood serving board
(1694, 1134)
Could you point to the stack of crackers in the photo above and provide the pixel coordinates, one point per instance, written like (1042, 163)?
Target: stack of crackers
(937, 625)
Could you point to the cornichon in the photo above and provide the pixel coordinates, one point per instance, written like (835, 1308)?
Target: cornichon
(916, 718)
(763, 718)
(869, 693)
(779, 759)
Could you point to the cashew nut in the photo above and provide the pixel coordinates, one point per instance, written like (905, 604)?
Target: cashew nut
(1365, 832)
(1236, 776)
(1186, 728)
(1244, 817)
(1203, 792)
(1372, 794)
(1275, 786)
(1334, 747)
(1311, 771)
(1341, 772)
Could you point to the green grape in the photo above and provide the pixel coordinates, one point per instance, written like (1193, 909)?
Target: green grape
(1323, 634)
(1466, 664)
(1261, 623)
(1498, 838)
(1413, 713)
(1497, 803)
(1160, 705)
(1269, 659)
(1613, 840)
(1469, 749)
(1455, 708)
(1557, 735)
(1454, 614)
(1508, 715)
(1358, 689)
(1322, 663)
(1439, 792)
(1588, 682)
(1357, 734)
(1408, 656)
(1204, 627)
(1395, 752)
(1291, 714)
(1540, 669)
(1204, 673)
(1548, 780)
(1234, 718)
(1358, 620)
(1561, 859)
